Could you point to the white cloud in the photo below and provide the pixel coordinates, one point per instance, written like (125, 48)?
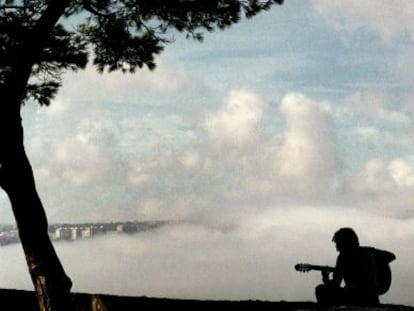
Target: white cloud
(371, 135)
(165, 166)
(236, 122)
(365, 104)
(373, 105)
(87, 158)
(382, 175)
(308, 151)
(209, 176)
(384, 185)
(190, 160)
(299, 161)
(138, 180)
(89, 86)
(402, 172)
(375, 177)
(389, 18)
(58, 108)
(376, 118)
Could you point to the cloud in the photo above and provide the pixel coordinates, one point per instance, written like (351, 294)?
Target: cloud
(83, 152)
(365, 104)
(302, 158)
(89, 86)
(161, 165)
(308, 149)
(384, 186)
(387, 18)
(373, 105)
(373, 136)
(238, 165)
(104, 166)
(87, 157)
(375, 118)
(236, 122)
(379, 176)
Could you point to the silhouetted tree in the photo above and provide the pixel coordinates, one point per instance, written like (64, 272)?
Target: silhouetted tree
(36, 49)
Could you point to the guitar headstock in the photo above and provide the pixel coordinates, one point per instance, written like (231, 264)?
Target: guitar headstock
(303, 267)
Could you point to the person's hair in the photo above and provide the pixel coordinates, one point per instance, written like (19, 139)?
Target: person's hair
(346, 237)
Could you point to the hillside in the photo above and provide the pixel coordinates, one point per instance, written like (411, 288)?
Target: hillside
(26, 300)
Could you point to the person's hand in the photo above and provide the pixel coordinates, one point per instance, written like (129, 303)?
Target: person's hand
(325, 276)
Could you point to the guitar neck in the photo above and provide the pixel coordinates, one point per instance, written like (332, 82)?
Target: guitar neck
(321, 268)
(303, 267)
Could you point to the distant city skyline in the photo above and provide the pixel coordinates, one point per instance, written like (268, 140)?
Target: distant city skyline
(75, 231)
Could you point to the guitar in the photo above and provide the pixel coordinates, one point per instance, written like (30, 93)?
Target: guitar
(383, 273)
(305, 267)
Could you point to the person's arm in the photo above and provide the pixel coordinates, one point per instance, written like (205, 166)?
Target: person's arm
(325, 276)
(336, 276)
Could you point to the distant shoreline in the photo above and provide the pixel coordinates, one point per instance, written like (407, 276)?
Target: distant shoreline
(77, 231)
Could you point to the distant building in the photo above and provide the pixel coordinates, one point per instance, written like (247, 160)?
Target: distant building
(67, 233)
(126, 228)
(9, 237)
(86, 232)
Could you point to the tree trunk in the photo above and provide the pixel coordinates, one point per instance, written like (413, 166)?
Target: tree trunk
(51, 284)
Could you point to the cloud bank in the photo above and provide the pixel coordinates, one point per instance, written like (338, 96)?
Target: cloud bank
(169, 166)
(252, 260)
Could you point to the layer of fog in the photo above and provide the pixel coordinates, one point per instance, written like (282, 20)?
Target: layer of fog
(245, 257)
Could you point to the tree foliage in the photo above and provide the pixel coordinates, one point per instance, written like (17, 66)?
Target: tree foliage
(115, 35)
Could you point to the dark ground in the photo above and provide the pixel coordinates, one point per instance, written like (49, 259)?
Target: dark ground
(26, 300)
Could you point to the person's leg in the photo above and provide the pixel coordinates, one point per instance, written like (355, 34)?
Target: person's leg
(359, 300)
(327, 295)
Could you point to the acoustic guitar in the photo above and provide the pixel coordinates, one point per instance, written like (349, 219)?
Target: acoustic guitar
(383, 273)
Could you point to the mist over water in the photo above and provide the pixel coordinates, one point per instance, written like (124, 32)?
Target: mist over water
(252, 257)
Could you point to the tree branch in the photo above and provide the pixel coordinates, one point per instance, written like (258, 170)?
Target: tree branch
(5, 7)
(32, 47)
(89, 7)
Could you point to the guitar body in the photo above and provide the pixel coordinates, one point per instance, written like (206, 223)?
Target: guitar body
(384, 277)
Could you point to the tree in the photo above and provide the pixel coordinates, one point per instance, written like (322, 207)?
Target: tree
(36, 49)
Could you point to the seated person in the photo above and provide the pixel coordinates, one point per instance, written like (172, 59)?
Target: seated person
(357, 266)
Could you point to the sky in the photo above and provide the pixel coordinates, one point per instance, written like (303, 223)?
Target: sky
(259, 142)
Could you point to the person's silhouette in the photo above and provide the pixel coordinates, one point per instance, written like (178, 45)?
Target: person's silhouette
(361, 269)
